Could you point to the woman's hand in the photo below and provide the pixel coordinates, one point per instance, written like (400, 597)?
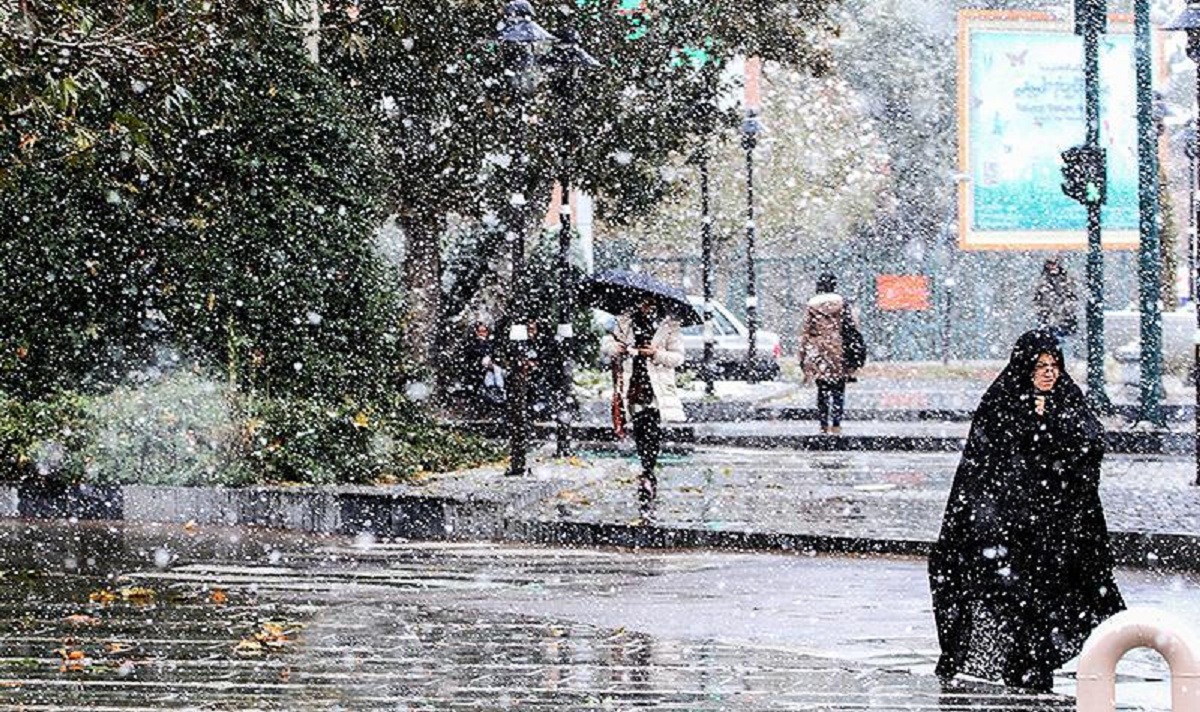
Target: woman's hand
(648, 351)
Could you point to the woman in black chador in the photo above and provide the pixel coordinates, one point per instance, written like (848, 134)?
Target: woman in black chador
(1022, 569)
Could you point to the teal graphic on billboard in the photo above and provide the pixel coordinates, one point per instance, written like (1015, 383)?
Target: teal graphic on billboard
(1021, 104)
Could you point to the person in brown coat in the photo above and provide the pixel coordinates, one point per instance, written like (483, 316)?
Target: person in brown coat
(821, 352)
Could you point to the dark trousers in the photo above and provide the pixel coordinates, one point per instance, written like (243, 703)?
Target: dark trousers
(647, 437)
(831, 401)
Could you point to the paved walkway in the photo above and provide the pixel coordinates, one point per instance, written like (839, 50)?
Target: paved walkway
(867, 501)
(914, 386)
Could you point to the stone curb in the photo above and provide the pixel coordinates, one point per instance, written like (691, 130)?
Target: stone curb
(369, 510)
(682, 438)
(324, 510)
(1143, 550)
(751, 410)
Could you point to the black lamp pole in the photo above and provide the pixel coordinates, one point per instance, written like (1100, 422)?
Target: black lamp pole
(1189, 21)
(1090, 22)
(569, 57)
(706, 270)
(518, 35)
(751, 128)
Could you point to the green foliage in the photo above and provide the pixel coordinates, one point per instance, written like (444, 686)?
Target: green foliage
(43, 437)
(470, 283)
(175, 430)
(203, 189)
(182, 429)
(311, 441)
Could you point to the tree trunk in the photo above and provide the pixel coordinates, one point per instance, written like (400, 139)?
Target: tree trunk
(422, 282)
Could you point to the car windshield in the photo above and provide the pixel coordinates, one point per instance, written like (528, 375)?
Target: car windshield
(721, 326)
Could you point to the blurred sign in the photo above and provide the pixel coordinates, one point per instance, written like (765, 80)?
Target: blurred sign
(902, 292)
(1021, 103)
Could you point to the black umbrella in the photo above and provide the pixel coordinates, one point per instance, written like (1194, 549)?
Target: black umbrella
(616, 291)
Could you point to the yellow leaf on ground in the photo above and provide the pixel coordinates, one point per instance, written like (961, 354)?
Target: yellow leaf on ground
(115, 646)
(217, 596)
(81, 619)
(103, 597)
(248, 647)
(138, 594)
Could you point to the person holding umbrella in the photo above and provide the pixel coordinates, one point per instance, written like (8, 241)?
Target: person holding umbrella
(649, 347)
(645, 348)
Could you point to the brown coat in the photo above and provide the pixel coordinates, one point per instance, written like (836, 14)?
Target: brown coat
(821, 339)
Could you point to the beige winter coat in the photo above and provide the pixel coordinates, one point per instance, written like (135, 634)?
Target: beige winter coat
(661, 367)
(821, 339)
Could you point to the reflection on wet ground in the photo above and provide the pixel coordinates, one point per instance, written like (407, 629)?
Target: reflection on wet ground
(107, 618)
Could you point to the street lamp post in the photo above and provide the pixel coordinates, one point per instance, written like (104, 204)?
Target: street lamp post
(569, 57)
(1149, 259)
(751, 128)
(518, 36)
(1189, 21)
(1090, 22)
(706, 270)
(1191, 150)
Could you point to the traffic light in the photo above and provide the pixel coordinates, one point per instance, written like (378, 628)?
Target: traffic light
(1084, 173)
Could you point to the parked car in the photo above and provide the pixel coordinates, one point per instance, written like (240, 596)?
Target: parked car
(731, 341)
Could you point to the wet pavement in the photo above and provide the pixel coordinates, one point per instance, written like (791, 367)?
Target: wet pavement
(185, 618)
(874, 496)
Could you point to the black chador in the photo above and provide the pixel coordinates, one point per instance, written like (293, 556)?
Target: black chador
(1022, 570)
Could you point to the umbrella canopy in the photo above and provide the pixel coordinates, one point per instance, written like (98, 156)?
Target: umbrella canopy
(617, 291)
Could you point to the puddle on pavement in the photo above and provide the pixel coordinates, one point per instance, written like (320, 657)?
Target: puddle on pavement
(103, 617)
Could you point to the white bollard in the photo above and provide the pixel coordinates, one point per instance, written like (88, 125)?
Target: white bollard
(1145, 628)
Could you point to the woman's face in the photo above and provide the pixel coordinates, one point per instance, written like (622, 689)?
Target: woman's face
(1045, 372)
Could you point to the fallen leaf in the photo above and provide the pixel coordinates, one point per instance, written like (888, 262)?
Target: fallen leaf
(217, 596)
(573, 497)
(81, 619)
(248, 647)
(190, 526)
(114, 647)
(138, 594)
(103, 597)
(73, 659)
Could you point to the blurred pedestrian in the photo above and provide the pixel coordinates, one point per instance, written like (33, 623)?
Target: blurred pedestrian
(649, 348)
(484, 377)
(823, 356)
(540, 361)
(1022, 570)
(1056, 301)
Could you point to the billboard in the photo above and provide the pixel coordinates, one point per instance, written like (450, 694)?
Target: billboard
(1020, 104)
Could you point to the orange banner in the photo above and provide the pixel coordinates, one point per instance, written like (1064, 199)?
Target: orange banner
(902, 292)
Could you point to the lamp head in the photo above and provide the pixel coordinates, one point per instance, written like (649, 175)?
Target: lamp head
(519, 27)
